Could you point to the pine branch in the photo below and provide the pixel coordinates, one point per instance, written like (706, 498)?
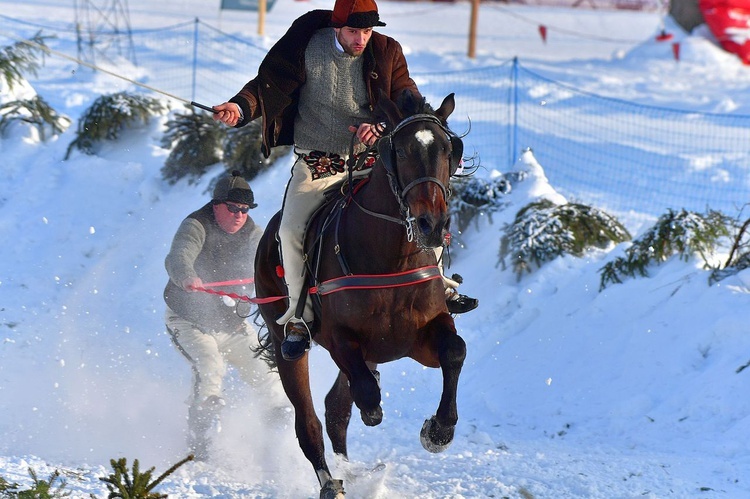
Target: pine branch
(138, 486)
(22, 57)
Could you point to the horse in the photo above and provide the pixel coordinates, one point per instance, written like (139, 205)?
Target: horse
(381, 295)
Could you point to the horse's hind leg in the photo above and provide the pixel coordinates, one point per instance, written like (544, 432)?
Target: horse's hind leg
(338, 413)
(296, 382)
(437, 432)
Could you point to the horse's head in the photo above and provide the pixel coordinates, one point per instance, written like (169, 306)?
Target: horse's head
(419, 154)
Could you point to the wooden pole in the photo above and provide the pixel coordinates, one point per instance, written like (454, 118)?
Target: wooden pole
(473, 28)
(261, 16)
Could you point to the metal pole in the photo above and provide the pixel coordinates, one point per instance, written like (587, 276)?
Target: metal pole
(195, 55)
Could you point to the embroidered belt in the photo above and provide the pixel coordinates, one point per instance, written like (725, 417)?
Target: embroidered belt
(322, 164)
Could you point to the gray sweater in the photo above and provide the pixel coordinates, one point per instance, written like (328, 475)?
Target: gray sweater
(201, 248)
(333, 97)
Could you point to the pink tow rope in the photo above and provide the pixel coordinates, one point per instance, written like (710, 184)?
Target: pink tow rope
(206, 288)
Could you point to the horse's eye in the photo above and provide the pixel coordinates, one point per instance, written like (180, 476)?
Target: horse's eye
(401, 153)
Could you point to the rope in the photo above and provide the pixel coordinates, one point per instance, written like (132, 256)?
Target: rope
(236, 282)
(238, 296)
(48, 50)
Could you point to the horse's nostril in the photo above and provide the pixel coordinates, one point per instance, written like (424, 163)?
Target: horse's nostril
(425, 225)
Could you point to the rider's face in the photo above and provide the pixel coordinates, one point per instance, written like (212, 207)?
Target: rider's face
(354, 40)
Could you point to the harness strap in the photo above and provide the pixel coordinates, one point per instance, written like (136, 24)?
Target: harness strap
(378, 281)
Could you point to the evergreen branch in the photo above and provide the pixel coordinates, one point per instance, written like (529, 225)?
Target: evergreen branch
(34, 111)
(22, 57)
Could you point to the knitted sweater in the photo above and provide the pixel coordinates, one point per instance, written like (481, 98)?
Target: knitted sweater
(333, 98)
(201, 248)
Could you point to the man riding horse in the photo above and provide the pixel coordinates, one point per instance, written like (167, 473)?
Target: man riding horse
(316, 87)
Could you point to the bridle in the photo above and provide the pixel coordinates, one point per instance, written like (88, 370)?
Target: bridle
(386, 156)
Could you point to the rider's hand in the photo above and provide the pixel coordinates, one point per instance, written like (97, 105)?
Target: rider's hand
(228, 113)
(367, 133)
(190, 283)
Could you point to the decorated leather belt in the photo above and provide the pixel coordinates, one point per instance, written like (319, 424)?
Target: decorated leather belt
(324, 164)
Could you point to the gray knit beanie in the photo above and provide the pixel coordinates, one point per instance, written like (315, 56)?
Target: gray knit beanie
(235, 189)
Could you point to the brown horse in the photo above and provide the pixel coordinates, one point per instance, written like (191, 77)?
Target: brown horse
(388, 301)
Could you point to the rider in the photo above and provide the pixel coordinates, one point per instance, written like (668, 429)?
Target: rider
(316, 87)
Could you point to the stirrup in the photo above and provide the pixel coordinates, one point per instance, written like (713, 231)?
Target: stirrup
(296, 339)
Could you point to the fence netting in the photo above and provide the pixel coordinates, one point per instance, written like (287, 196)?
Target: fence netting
(613, 154)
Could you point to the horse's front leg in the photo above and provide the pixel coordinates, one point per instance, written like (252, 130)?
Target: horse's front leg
(450, 349)
(339, 411)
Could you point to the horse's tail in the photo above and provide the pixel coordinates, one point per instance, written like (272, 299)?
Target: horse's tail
(264, 350)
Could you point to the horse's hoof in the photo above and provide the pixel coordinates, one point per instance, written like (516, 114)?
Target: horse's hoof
(372, 418)
(435, 437)
(333, 489)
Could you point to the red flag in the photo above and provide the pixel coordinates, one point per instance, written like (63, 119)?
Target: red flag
(543, 32)
(663, 36)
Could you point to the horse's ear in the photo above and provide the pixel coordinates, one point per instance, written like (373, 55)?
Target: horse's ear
(388, 111)
(446, 108)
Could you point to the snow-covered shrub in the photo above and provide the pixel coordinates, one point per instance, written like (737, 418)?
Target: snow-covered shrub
(543, 231)
(195, 140)
(739, 255)
(109, 116)
(34, 111)
(473, 196)
(18, 100)
(242, 151)
(682, 233)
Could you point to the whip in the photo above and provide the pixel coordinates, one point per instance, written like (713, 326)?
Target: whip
(48, 50)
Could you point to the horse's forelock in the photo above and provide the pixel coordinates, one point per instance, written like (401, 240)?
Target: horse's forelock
(410, 105)
(407, 104)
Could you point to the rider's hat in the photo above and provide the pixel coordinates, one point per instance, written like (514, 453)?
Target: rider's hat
(235, 189)
(355, 14)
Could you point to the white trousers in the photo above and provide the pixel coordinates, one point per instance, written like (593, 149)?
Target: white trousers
(302, 197)
(210, 353)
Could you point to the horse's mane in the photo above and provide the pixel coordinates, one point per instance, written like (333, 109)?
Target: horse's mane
(408, 104)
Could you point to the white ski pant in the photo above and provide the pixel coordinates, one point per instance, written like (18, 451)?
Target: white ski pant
(302, 197)
(209, 354)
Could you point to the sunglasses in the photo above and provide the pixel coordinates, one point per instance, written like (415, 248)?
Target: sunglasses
(233, 208)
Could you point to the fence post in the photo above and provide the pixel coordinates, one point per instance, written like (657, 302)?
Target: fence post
(513, 111)
(195, 56)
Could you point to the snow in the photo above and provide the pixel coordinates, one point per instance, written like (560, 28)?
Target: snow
(568, 391)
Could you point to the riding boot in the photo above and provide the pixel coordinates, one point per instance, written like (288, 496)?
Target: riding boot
(460, 304)
(296, 339)
(201, 417)
(456, 302)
